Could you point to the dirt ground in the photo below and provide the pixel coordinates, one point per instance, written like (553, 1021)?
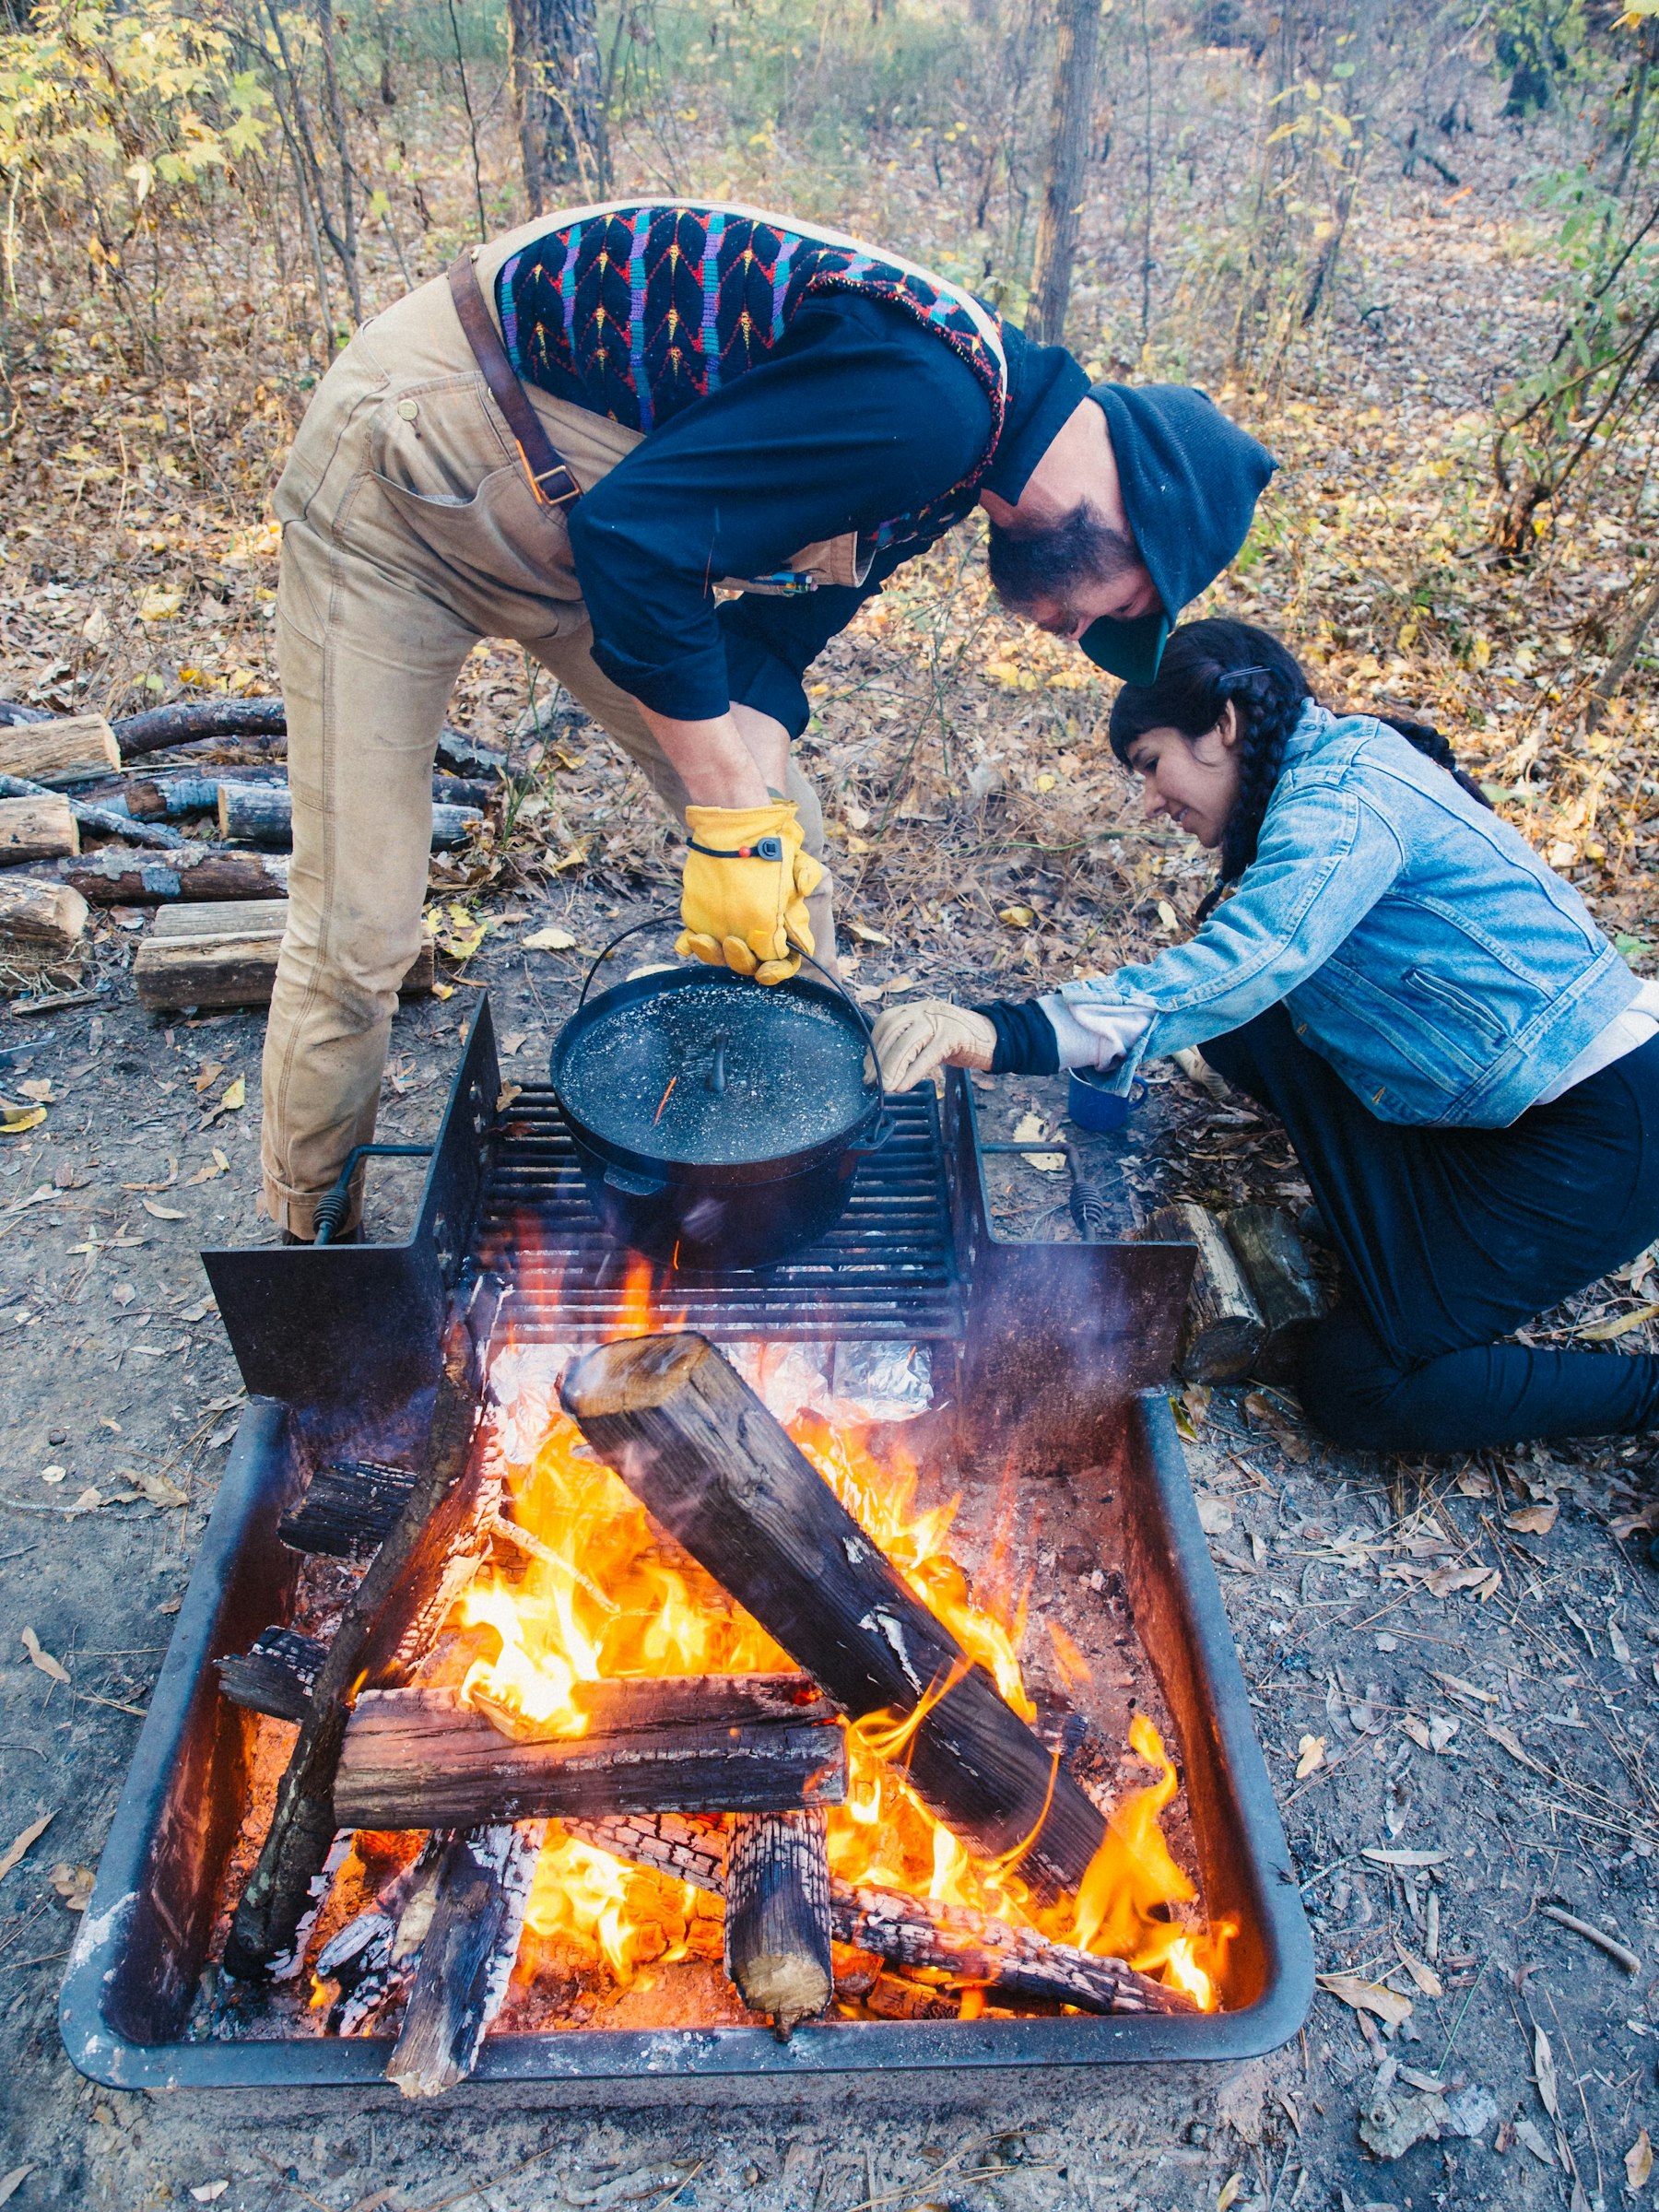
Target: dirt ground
(1471, 1689)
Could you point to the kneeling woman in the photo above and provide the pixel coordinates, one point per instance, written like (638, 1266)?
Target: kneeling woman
(1468, 1072)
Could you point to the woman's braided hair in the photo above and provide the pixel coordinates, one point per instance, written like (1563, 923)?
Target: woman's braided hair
(1206, 665)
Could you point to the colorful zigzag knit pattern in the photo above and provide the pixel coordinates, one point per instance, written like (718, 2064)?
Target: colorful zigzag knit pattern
(636, 312)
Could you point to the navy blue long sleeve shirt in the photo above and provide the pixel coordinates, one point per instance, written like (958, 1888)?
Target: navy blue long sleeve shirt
(857, 415)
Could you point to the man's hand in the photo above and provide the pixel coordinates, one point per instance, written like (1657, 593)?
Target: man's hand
(913, 1042)
(745, 891)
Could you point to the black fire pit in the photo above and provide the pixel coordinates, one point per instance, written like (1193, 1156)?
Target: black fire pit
(1057, 1352)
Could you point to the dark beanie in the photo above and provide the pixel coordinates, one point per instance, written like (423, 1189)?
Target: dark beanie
(1190, 481)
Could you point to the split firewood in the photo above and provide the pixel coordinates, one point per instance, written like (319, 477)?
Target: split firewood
(19, 790)
(347, 1508)
(1223, 1329)
(36, 829)
(465, 1956)
(420, 1758)
(777, 1916)
(434, 1548)
(67, 749)
(274, 1676)
(1282, 1282)
(223, 953)
(370, 1960)
(262, 813)
(910, 1931)
(42, 918)
(703, 1454)
(111, 877)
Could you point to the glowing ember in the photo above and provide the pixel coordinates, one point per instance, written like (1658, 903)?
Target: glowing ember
(599, 1597)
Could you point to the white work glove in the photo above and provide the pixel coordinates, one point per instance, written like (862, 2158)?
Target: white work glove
(913, 1042)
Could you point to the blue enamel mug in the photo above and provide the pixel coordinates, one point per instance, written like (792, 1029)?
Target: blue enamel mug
(1092, 1105)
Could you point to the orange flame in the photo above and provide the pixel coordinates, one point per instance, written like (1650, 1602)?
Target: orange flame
(599, 1596)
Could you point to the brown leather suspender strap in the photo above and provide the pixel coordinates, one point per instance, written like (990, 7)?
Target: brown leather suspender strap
(550, 481)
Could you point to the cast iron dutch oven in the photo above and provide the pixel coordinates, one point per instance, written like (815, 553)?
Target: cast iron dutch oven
(719, 1122)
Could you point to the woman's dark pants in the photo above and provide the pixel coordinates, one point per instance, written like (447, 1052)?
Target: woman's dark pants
(1452, 1238)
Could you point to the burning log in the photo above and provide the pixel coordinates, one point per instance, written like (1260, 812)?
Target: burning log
(466, 1956)
(347, 1508)
(1282, 1282)
(703, 1454)
(432, 1548)
(197, 872)
(420, 1758)
(777, 1919)
(274, 1676)
(1223, 1329)
(370, 1959)
(908, 1930)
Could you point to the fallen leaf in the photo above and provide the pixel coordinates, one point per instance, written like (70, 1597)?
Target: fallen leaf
(11, 2183)
(210, 2192)
(1616, 1637)
(1017, 917)
(1215, 1512)
(1512, 1744)
(1416, 1730)
(574, 858)
(162, 1213)
(159, 1489)
(157, 605)
(1526, 2134)
(235, 1095)
(1390, 2130)
(88, 1502)
(1167, 915)
(208, 1076)
(505, 1096)
(1605, 1332)
(549, 940)
(124, 1294)
(1544, 2067)
(514, 1044)
(42, 1658)
(1421, 1973)
(73, 1884)
(862, 930)
(1442, 1581)
(1230, 2188)
(1360, 1995)
(1311, 1754)
(15, 1121)
(1639, 2162)
(1031, 1129)
(1532, 1519)
(1380, 1857)
(19, 1844)
(38, 1088)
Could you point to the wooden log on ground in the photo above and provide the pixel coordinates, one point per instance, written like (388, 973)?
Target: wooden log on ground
(223, 953)
(1282, 1282)
(195, 873)
(42, 828)
(777, 1918)
(44, 919)
(429, 1554)
(420, 1758)
(262, 813)
(466, 1956)
(910, 1931)
(347, 1508)
(703, 1454)
(1223, 1329)
(67, 749)
(158, 728)
(275, 1675)
(15, 715)
(103, 819)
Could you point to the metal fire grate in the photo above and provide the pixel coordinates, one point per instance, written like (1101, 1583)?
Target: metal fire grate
(886, 1269)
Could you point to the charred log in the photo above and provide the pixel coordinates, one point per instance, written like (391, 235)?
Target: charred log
(370, 1962)
(276, 1675)
(348, 1508)
(701, 1453)
(420, 1758)
(777, 1918)
(466, 1956)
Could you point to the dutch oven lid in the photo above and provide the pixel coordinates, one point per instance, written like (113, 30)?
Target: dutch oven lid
(705, 1069)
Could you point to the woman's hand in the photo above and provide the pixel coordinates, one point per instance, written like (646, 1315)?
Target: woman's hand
(913, 1042)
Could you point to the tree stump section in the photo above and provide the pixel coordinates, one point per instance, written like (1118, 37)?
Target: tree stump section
(777, 1920)
(1283, 1282)
(43, 829)
(698, 1449)
(1223, 1329)
(45, 920)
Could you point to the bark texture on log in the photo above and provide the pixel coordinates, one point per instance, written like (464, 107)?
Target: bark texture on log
(420, 1758)
(275, 1675)
(703, 1454)
(197, 872)
(1071, 116)
(347, 1508)
(689, 1846)
(777, 1918)
(42, 828)
(224, 954)
(43, 917)
(465, 1956)
(105, 820)
(262, 813)
(1282, 1282)
(67, 749)
(1223, 1329)
(160, 727)
(409, 1578)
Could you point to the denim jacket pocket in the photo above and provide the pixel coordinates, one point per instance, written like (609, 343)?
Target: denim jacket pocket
(1464, 1007)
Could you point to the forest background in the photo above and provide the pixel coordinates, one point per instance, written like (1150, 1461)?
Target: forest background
(1415, 247)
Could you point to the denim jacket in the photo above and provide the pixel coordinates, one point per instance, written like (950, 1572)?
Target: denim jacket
(1419, 942)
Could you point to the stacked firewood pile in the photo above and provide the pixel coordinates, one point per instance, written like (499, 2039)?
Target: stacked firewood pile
(720, 1781)
(221, 897)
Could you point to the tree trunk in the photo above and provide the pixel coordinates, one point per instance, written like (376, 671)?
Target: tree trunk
(553, 46)
(1070, 113)
(1621, 656)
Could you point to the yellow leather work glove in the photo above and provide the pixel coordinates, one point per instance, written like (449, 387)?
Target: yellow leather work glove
(913, 1042)
(743, 898)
